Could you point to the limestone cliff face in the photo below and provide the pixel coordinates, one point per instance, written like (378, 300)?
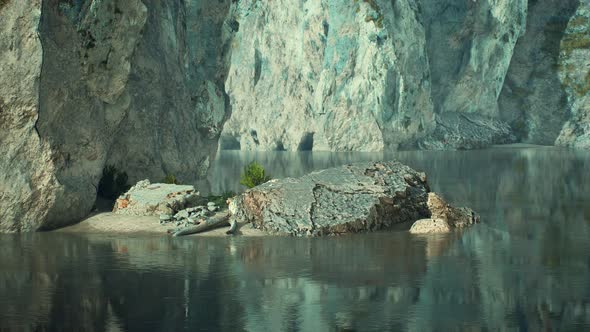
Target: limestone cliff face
(574, 73)
(533, 100)
(27, 168)
(149, 86)
(366, 75)
(470, 46)
(327, 75)
(92, 83)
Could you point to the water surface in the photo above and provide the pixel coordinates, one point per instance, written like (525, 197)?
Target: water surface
(526, 267)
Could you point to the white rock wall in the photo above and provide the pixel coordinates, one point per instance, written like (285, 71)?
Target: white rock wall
(327, 75)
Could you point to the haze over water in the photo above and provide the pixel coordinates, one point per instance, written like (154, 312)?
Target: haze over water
(525, 267)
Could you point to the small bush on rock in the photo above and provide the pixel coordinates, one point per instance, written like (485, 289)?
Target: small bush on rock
(113, 183)
(254, 175)
(170, 179)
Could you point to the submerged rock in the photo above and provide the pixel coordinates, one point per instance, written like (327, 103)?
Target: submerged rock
(147, 199)
(348, 199)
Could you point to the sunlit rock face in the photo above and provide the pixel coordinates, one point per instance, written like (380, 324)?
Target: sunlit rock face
(27, 170)
(470, 45)
(327, 75)
(92, 83)
(574, 73)
(366, 75)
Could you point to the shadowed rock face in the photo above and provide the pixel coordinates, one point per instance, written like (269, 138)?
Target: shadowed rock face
(92, 83)
(533, 100)
(349, 199)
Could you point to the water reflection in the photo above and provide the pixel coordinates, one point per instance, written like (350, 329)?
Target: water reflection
(526, 268)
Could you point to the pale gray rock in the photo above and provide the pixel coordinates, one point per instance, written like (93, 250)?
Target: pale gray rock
(457, 131)
(364, 76)
(470, 45)
(28, 185)
(575, 75)
(150, 199)
(183, 214)
(327, 75)
(348, 199)
(430, 226)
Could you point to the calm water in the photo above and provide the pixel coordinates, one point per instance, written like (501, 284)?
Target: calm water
(526, 267)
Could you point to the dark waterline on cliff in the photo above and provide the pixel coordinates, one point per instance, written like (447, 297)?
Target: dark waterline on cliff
(526, 267)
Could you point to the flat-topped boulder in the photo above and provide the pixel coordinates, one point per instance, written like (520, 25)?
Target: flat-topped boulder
(348, 199)
(151, 199)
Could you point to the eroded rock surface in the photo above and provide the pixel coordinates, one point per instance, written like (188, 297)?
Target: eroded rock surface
(366, 75)
(466, 131)
(444, 218)
(87, 84)
(575, 76)
(533, 100)
(151, 199)
(349, 199)
(336, 75)
(27, 170)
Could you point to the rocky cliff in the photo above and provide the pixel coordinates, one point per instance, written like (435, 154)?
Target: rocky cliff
(92, 83)
(155, 87)
(327, 75)
(574, 73)
(376, 75)
(366, 75)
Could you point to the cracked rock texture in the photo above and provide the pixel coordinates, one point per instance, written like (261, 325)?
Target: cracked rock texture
(336, 75)
(574, 63)
(533, 101)
(364, 75)
(349, 199)
(154, 199)
(92, 83)
(154, 87)
(466, 131)
(27, 169)
(444, 218)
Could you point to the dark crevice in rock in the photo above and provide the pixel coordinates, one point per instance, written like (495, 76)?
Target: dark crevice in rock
(306, 143)
(257, 66)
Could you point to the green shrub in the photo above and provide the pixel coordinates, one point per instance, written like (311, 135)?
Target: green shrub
(113, 183)
(170, 179)
(254, 175)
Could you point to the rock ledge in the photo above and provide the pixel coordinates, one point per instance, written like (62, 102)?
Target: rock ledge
(349, 199)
